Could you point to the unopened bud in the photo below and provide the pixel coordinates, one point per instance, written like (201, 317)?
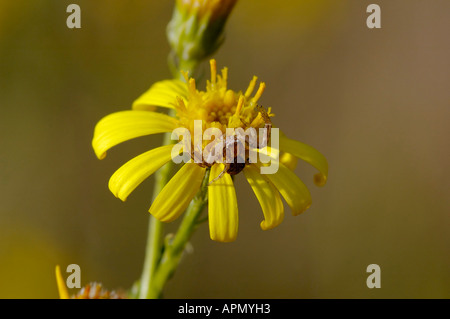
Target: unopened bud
(196, 30)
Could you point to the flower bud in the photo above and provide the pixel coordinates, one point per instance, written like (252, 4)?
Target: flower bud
(196, 30)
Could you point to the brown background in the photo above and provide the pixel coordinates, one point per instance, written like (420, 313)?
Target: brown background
(374, 102)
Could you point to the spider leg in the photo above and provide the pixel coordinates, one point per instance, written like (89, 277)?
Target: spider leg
(227, 167)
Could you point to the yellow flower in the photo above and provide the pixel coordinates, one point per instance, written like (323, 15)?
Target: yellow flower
(90, 291)
(62, 289)
(218, 108)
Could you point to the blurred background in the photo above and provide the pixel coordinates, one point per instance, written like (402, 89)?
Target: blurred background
(375, 102)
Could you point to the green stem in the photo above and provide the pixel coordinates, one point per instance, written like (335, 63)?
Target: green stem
(175, 247)
(155, 229)
(155, 245)
(153, 251)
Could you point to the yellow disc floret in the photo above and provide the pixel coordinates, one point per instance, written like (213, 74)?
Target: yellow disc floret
(219, 107)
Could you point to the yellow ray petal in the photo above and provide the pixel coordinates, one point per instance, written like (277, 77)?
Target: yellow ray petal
(268, 197)
(178, 192)
(62, 289)
(119, 127)
(267, 153)
(289, 160)
(135, 171)
(163, 93)
(309, 155)
(295, 193)
(222, 206)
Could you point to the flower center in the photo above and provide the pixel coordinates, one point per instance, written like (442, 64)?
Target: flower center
(218, 108)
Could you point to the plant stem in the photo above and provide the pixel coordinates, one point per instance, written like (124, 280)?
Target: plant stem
(155, 229)
(155, 245)
(175, 247)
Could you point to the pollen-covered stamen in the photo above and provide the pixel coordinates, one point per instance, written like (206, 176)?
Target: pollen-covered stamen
(258, 94)
(213, 65)
(251, 87)
(185, 75)
(180, 103)
(257, 121)
(225, 77)
(235, 121)
(192, 87)
(239, 105)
